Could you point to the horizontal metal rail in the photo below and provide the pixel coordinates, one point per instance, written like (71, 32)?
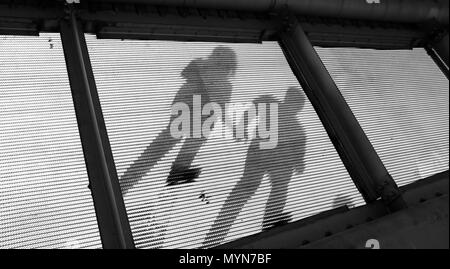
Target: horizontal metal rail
(411, 11)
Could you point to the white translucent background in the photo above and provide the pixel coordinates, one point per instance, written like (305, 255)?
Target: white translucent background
(137, 81)
(44, 199)
(401, 100)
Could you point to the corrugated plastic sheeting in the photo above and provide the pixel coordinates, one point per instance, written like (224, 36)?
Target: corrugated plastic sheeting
(401, 100)
(137, 81)
(44, 198)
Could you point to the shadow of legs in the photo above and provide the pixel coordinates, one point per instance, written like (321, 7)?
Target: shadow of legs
(274, 215)
(151, 155)
(238, 197)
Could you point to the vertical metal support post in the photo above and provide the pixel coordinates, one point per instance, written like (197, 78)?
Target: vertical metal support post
(363, 163)
(110, 209)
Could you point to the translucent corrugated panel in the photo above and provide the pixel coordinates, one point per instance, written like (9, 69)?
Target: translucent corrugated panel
(44, 198)
(401, 100)
(195, 190)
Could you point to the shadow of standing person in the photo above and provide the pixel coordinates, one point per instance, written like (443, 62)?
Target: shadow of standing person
(278, 163)
(208, 78)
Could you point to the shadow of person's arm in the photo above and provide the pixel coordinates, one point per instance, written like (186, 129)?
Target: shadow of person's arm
(300, 152)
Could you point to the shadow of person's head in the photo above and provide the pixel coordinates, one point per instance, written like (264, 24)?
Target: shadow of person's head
(223, 61)
(294, 99)
(220, 65)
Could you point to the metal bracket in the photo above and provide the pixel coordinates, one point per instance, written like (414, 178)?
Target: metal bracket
(388, 191)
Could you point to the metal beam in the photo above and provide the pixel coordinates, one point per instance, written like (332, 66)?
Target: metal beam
(345, 33)
(23, 27)
(364, 165)
(171, 25)
(437, 47)
(29, 18)
(142, 21)
(410, 11)
(111, 213)
(438, 61)
(184, 24)
(441, 48)
(316, 228)
(423, 226)
(187, 24)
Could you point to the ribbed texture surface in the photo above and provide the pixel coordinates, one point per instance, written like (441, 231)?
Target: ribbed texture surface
(401, 100)
(44, 199)
(137, 82)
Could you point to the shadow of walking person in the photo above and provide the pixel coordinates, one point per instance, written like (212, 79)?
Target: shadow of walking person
(279, 163)
(210, 79)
